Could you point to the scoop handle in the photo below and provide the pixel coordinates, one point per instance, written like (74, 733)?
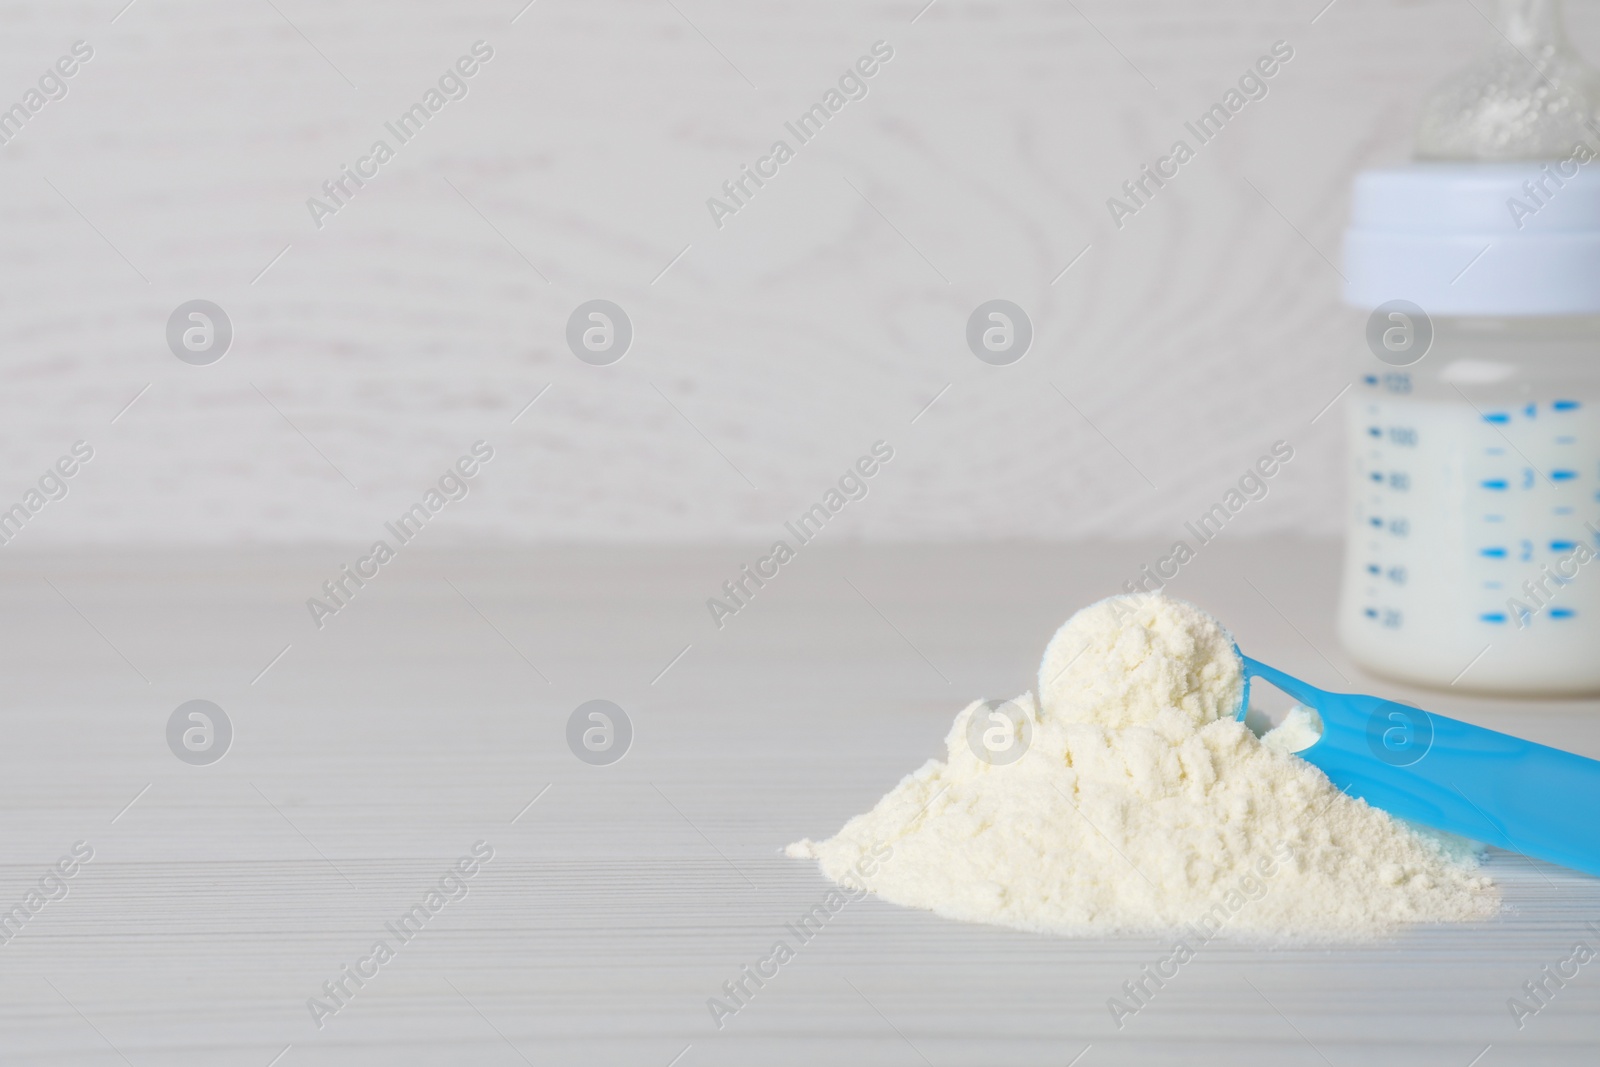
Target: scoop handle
(1441, 772)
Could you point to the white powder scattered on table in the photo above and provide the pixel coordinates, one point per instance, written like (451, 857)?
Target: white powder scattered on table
(1140, 805)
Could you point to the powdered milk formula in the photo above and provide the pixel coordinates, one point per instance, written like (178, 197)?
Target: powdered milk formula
(1139, 804)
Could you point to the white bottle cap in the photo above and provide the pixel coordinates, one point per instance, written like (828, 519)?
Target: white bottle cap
(1471, 239)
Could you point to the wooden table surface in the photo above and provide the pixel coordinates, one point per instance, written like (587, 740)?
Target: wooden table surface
(430, 714)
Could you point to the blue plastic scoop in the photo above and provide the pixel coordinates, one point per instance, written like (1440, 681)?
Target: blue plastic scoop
(1444, 773)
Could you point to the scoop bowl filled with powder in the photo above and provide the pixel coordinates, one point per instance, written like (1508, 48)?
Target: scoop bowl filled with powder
(1125, 798)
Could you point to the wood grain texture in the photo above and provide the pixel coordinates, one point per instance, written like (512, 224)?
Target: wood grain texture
(378, 749)
(823, 316)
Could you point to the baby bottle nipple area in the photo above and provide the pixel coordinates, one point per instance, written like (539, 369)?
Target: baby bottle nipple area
(1474, 465)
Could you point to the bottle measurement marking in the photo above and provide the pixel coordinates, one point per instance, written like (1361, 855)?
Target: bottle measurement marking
(1395, 434)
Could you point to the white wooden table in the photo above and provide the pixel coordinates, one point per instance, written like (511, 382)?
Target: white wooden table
(376, 751)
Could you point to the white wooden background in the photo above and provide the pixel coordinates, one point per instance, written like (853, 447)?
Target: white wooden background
(380, 748)
(816, 321)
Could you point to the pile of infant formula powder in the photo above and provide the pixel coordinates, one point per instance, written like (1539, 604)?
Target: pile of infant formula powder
(1125, 797)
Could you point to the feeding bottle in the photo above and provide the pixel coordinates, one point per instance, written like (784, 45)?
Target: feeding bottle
(1472, 551)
